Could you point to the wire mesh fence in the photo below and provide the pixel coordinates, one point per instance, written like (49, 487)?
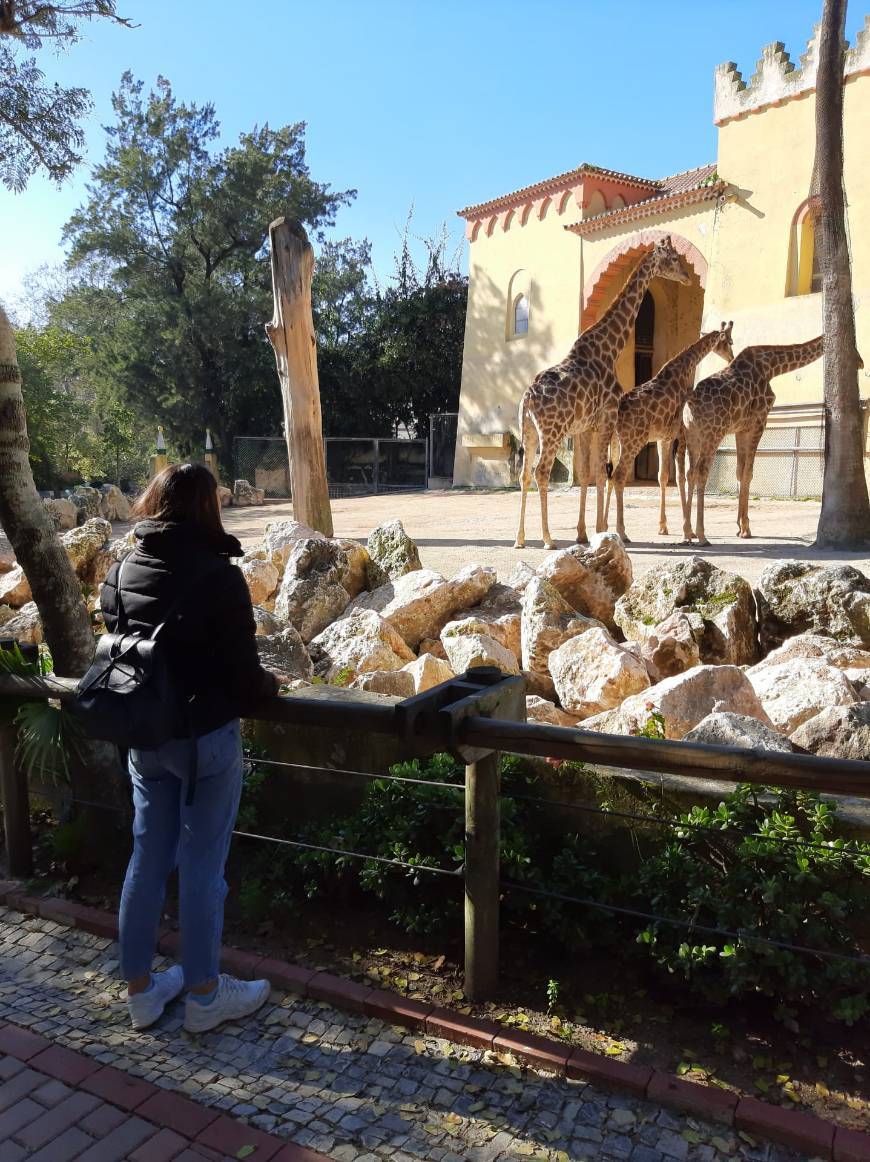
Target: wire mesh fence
(790, 462)
(354, 466)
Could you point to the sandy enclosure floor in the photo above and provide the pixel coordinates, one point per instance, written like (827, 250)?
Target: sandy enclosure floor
(453, 528)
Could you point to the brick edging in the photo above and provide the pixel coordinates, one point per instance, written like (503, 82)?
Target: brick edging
(801, 1131)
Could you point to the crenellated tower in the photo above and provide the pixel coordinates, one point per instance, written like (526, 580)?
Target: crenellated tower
(776, 79)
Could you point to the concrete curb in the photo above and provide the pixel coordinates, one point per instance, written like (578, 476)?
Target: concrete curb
(814, 1136)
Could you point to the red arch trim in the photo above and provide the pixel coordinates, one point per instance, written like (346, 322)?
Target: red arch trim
(622, 256)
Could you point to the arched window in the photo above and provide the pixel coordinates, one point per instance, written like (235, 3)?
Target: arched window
(516, 307)
(617, 202)
(595, 205)
(806, 267)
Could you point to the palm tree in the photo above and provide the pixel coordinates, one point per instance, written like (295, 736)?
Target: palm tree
(844, 522)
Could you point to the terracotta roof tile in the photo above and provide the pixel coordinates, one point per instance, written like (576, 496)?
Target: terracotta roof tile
(551, 185)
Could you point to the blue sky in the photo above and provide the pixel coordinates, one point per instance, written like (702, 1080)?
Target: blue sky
(437, 102)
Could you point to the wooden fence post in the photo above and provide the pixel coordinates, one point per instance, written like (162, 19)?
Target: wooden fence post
(482, 835)
(16, 807)
(291, 333)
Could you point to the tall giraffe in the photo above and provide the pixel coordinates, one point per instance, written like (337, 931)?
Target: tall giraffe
(581, 394)
(734, 401)
(654, 411)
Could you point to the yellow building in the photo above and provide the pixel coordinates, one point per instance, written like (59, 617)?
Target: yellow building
(546, 260)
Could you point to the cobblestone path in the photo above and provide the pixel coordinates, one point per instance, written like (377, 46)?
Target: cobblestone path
(354, 1088)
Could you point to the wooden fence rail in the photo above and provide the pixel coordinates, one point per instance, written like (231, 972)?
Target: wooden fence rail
(475, 717)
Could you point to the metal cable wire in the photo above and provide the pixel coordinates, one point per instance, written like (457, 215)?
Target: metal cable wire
(358, 774)
(442, 871)
(599, 905)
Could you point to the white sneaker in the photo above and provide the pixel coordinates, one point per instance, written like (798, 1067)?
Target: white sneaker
(146, 1008)
(235, 998)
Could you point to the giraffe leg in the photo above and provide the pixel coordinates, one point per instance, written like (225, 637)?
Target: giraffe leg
(525, 482)
(702, 474)
(747, 443)
(664, 474)
(617, 482)
(581, 460)
(604, 436)
(543, 468)
(681, 471)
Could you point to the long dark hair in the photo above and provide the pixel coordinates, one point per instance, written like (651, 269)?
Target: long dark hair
(182, 492)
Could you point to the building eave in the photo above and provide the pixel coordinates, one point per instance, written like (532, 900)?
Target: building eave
(554, 185)
(647, 208)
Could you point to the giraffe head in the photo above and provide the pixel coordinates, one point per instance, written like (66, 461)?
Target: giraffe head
(667, 263)
(723, 346)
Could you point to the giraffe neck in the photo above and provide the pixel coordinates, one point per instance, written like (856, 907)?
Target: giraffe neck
(777, 359)
(680, 371)
(614, 327)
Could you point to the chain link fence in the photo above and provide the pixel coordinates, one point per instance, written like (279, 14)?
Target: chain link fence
(354, 466)
(790, 462)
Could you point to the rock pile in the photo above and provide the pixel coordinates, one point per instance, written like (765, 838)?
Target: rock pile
(785, 667)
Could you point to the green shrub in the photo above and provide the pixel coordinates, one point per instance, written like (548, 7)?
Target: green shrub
(737, 868)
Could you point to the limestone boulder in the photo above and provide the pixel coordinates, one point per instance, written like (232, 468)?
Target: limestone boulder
(547, 621)
(398, 683)
(591, 579)
(357, 644)
(592, 673)
(225, 496)
(245, 495)
(114, 505)
(356, 577)
(539, 684)
(419, 603)
(311, 595)
(505, 629)
(84, 543)
(820, 647)
(467, 650)
(87, 502)
(280, 536)
(738, 730)
(284, 653)
(265, 622)
(541, 710)
(15, 588)
(520, 576)
(683, 701)
(797, 690)
(723, 601)
(26, 625)
(392, 554)
(62, 511)
(671, 647)
(428, 671)
(838, 732)
(7, 613)
(433, 646)
(795, 597)
(262, 578)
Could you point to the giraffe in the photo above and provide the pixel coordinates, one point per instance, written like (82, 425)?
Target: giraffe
(736, 400)
(653, 411)
(581, 394)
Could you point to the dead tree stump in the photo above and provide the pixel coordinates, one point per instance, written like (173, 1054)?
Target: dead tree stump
(291, 333)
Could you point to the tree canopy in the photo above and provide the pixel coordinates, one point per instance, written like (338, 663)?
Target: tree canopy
(181, 226)
(39, 121)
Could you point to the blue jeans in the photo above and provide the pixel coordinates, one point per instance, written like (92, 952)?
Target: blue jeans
(195, 839)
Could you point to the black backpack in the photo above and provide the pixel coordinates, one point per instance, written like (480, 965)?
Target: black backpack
(128, 696)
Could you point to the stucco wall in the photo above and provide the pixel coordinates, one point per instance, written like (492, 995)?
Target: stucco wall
(768, 156)
(497, 369)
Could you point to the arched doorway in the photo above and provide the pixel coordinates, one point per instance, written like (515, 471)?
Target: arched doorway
(646, 464)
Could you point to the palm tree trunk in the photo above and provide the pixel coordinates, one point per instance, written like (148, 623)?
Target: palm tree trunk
(56, 589)
(844, 522)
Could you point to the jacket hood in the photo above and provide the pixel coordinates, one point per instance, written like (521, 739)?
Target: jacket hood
(166, 539)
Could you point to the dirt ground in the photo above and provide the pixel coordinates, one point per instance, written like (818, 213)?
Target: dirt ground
(454, 528)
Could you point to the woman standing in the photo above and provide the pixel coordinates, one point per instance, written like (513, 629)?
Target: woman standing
(186, 792)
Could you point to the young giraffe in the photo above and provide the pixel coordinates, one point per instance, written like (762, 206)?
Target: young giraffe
(734, 401)
(654, 411)
(581, 394)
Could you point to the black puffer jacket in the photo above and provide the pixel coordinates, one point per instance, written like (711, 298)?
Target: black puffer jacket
(210, 642)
